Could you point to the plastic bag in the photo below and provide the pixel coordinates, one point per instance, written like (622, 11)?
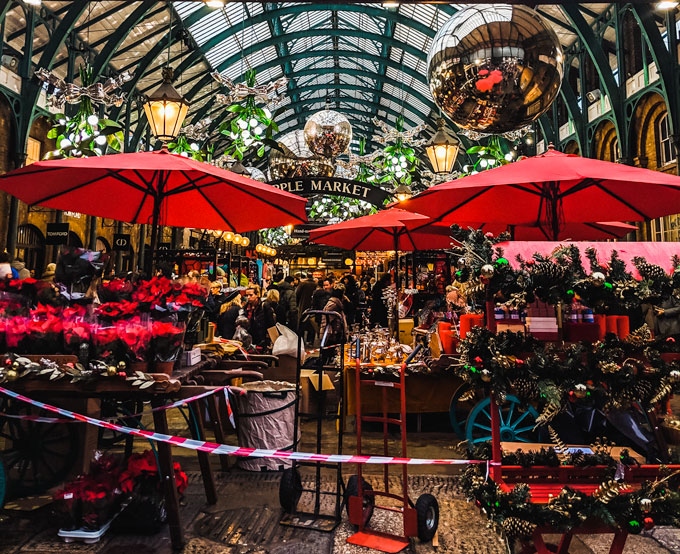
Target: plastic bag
(287, 343)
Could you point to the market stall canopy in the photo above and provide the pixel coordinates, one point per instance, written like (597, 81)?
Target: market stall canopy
(127, 187)
(569, 231)
(658, 253)
(386, 230)
(551, 190)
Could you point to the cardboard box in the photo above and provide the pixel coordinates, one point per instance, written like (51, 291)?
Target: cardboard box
(405, 328)
(508, 325)
(309, 387)
(191, 357)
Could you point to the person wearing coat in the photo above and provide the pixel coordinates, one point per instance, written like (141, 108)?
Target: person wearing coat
(261, 318)
(229, 311)
(335, 327)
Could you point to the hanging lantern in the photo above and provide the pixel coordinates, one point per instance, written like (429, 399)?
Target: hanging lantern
(238, 239)
(166, 109)
(495, 68)
(328, 133)
(228, 236)
(442, 150)
(403, 192)
(245, 241)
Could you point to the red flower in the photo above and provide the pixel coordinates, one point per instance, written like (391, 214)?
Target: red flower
(104, 335)
(17, 328)
(74, 329)
(160, 328)
(118, 309)
(74, 311)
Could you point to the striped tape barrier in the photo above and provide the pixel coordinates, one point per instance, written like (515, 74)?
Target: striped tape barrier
(177, 404)
(214, 448)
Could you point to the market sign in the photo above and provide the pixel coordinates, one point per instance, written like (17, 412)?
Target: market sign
(121, 241)
(336, 186)
(302, 231)
(57, 233)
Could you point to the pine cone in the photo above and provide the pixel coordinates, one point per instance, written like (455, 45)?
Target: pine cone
(525, 388)
(516, 527)
(650, 271)
(548, 270)
(640, 337)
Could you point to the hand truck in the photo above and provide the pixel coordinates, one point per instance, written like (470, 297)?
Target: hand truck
(290, 487)
(421, 518)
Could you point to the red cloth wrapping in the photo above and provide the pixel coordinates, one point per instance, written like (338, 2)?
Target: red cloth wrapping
(468, 321)
(623, 325)
(612, 325)
(601, 320)
(449, 341)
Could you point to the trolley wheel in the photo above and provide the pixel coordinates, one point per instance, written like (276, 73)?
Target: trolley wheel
(110, 408)
(36, 455)
(458, 411)
(290, 489)
(516, 425)
(427, 511)
(352, 489)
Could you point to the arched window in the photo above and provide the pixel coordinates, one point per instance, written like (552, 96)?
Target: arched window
(665, 148)
(614, 150)
(74, 240)
(103, 245)
(31, 247)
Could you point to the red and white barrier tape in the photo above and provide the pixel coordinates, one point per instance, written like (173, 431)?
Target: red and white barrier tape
(39, 419)
(214, 448)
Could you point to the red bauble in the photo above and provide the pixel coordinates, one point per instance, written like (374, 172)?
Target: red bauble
(649, 523)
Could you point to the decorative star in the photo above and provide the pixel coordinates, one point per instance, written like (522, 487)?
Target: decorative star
(270, 94)
(60, 92)
(390, 134)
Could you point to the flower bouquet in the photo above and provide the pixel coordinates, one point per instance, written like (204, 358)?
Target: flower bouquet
(45, 330)
(151, 294)
(105, 341)
(115, 291)
(76, 329)
(135, 335)
(146, 511)
(167, 339)
(188, 302)
(111, 311)
(16, 334)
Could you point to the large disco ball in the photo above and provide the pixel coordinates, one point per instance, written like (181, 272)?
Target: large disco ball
(328, 133)
(495, 68)
(297, 160)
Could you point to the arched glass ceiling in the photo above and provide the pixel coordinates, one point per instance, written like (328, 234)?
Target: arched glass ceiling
(368, 60)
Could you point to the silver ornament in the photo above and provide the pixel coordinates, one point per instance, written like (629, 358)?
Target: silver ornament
(297, 160)
(598, 278)
(646, 505)
(328, 133)
(495, 68)
(487, 271)
(674, 375)
(486, 375)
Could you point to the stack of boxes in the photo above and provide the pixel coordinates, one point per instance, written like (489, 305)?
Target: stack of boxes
(541, 321)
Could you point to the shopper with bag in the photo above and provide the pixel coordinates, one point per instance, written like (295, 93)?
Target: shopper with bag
(334, 329)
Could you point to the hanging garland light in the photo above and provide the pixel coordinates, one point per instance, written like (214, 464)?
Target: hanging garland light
(397, 161)
(85, 134)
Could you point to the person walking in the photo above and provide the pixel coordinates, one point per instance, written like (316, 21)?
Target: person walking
(229, 311)
(272, 299)
(379, 314)
(260, 317)
(333, 330)
(286, 312)
(303, 295)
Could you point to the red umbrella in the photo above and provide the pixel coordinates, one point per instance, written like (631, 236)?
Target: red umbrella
(155, 187)
(551, 190)
(569, 231)
(386, 230)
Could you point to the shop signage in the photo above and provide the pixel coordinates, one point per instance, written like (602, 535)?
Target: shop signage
(302, 231)
(57, 233)
(121, 241)
(336, 186)
(164, 246)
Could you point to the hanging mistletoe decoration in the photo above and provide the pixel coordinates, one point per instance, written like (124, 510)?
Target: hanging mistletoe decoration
(251, 126)
(397, 162)
(489, 156)
(85, 134)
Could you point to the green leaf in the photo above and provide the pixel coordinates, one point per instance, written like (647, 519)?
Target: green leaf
(260, 151)
(52, 133)
(109, 123)
(475, 149)
(235, 108)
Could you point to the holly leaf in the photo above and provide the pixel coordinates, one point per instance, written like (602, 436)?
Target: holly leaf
(146, 384)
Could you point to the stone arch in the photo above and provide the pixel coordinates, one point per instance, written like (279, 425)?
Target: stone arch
(648, 110)
(31, 247)
(604, 140)
(572, 148)
(632, 45)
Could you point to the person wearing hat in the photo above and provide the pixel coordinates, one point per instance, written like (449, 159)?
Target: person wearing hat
(229, 312)
(48, 275)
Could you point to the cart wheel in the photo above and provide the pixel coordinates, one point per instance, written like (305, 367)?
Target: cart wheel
(516, 425)
(427, 510)
(36, 455)
(108, 438)
(458, 411)
(290, 489)
(352, 489)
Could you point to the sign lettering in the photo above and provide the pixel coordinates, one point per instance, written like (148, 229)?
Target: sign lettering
(311, 186)
(121, 241)
(57, 233)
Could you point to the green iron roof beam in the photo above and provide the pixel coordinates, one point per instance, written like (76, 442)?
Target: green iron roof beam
(348, 99)
(382, 68)
(297, 56)
(276, 29)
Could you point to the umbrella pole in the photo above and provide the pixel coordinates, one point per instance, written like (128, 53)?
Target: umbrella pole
(396, 284)
(154, 235)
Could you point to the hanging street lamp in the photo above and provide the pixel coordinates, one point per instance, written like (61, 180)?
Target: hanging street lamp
(403, 192)
(166, 109)
(442, 149)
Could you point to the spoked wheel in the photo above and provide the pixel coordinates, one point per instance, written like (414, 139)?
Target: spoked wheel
(290, 489)
(427, 511)
(517, 422)
(352, 489)
(120, 410)
(459, 410)
(36, 455)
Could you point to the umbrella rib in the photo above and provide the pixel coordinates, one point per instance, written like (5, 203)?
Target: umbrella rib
(408, 234)
(63, 192)
(212, 205)
(363, 239)
(601, 229)
(473, 197)
(272, 204)
(617, 197)
(537, 191)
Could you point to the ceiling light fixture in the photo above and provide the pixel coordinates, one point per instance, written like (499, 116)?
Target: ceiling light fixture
(214, 3)
(666, 5)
